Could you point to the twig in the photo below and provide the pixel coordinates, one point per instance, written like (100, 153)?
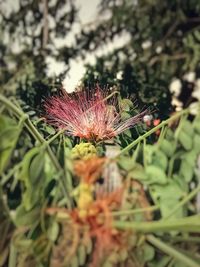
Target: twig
(168, 57)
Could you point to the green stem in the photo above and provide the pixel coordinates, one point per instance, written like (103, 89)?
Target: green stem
(171, 163)
(110, 95)
(5, 209)
(12, 262)
(188, 224)
(136, 152)
(183, 201)
(188, 239)
(142, 137)
(129, 212)
(6, 177)
(162, 134)
(105, 99)
(54, 137)
(171, 251)
(144, 153)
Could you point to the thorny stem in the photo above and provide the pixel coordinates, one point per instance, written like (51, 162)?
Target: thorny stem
(171, 251)
(37, 136)
(142, 137)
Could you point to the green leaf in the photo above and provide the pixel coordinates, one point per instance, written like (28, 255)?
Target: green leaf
(196, 143)
(148, 252)
(183, 185)
(125, 115)
(50, 130)
(74, 262)
(185, 140)
(155, 175)
(68, 143)
(167, 205)
(186, 170)
(107, 264)
(126, 104)
(138, 172)
(26, 218)
(36, 170)
(160, 263)
(190, 157)
(172, 188)
(187, 128)
(9, 134)
(82, 254)
(167, 197)
(89, 246)
(53, 231)
(160, 160)
(145, 253)
(123, 255)
(126, 163)
(12, 262)
(168, 147)
(169, 134)
(196, 125)
(32, 176)
(149, 151)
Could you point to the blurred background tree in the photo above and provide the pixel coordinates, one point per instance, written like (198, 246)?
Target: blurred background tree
(163, 43)
(28, 32)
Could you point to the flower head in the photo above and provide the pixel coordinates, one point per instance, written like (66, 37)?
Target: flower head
(89, 115)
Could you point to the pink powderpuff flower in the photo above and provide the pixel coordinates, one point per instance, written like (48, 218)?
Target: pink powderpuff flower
(91, 115)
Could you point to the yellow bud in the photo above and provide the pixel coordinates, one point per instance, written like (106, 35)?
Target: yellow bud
(84, 200)
(84, 151)
(82, 214)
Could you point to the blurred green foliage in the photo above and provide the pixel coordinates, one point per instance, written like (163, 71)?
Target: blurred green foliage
(36, 200)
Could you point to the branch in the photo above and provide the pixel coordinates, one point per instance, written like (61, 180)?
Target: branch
(169, 58)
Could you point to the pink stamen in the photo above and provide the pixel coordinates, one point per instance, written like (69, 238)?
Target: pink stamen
(89, 116)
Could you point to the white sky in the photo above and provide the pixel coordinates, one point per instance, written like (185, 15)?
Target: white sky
(87, 13)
